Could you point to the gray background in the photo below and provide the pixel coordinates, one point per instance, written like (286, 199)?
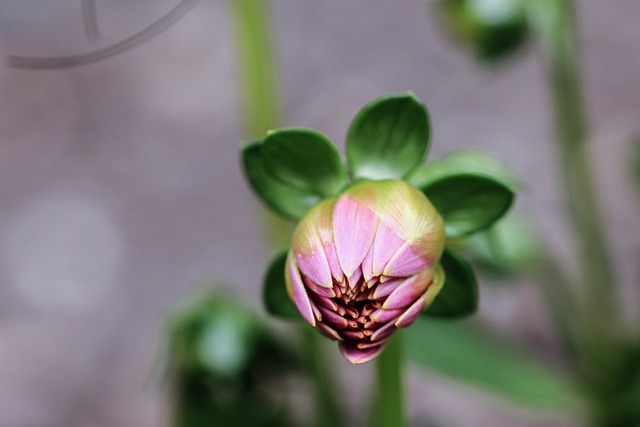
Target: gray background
(120, 186)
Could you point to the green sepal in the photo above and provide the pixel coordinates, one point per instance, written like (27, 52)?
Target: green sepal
(459, 294)
(274, 290)
(305, 160)
(468, 202)
(388, 138)
(282, 198)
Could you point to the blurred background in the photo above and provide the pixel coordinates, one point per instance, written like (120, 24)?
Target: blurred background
(121, 189)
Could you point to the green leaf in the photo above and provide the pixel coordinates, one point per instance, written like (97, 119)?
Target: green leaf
(468, 353)
(388, 138)
(274, 291)
(305, 160)
(283, 198)
(459, 295)
(468, 202)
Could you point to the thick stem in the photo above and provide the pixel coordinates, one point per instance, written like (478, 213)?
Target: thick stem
(389, 402)
(329, 411)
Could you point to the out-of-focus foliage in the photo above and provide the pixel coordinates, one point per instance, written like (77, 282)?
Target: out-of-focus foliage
(467, 353)
(491, 29)
(225, 367)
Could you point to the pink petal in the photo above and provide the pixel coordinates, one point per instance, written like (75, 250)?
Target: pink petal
(332, 259)
(329, 332)
(354, 227)
(383, 290)
(406, 294)
(383, 315)
(407, 261)
(385, 332)
(355, 278)
(358, 356)
(333, 318)
(367, 265)
(316, 267)
(318, 290)
(386, 244)
(300, 297)
(367, 344)
(410, 315)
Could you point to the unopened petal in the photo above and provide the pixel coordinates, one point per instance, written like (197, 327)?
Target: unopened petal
(297, 291)
(354, 226)
(410, 315)
(385, 245)
(410, 290)
(308, 244)
(358, 356)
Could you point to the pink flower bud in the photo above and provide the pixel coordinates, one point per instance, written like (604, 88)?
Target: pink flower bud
(364, 264)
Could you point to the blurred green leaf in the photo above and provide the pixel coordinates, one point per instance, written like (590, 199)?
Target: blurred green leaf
(468, 202)
(304, 159)
(491, 29)
(388, 138)
(201, 403)
(284, 199)
(468, 353)
(507, 247)
(223, 363)
(459, 295)
(464, 161)
(274, 291)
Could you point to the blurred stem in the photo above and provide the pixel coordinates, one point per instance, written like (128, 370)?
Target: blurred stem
(389, 408)
(262, 105)
(328, 410)
(555, 22)
(260, 93)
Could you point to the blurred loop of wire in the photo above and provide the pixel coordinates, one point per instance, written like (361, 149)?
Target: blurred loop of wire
(89, 14)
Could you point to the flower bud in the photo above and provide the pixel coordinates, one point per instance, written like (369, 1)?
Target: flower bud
(364, 264)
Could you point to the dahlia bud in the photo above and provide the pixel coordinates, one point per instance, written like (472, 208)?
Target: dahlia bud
(364, 264)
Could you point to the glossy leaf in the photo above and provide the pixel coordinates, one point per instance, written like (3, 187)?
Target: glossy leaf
(283, 198)
(305, 160)
(274, 291)
(459, 295)
(468, 202)
(468, 353)
(388, 138)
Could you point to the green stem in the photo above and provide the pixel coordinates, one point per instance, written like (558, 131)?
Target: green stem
(262, 104)
(260, 94)
(389, 402)
(329, 411)
(554, 20)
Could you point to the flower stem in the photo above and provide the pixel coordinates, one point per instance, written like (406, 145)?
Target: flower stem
(328, 410)
(260, 92)
(389, 399)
